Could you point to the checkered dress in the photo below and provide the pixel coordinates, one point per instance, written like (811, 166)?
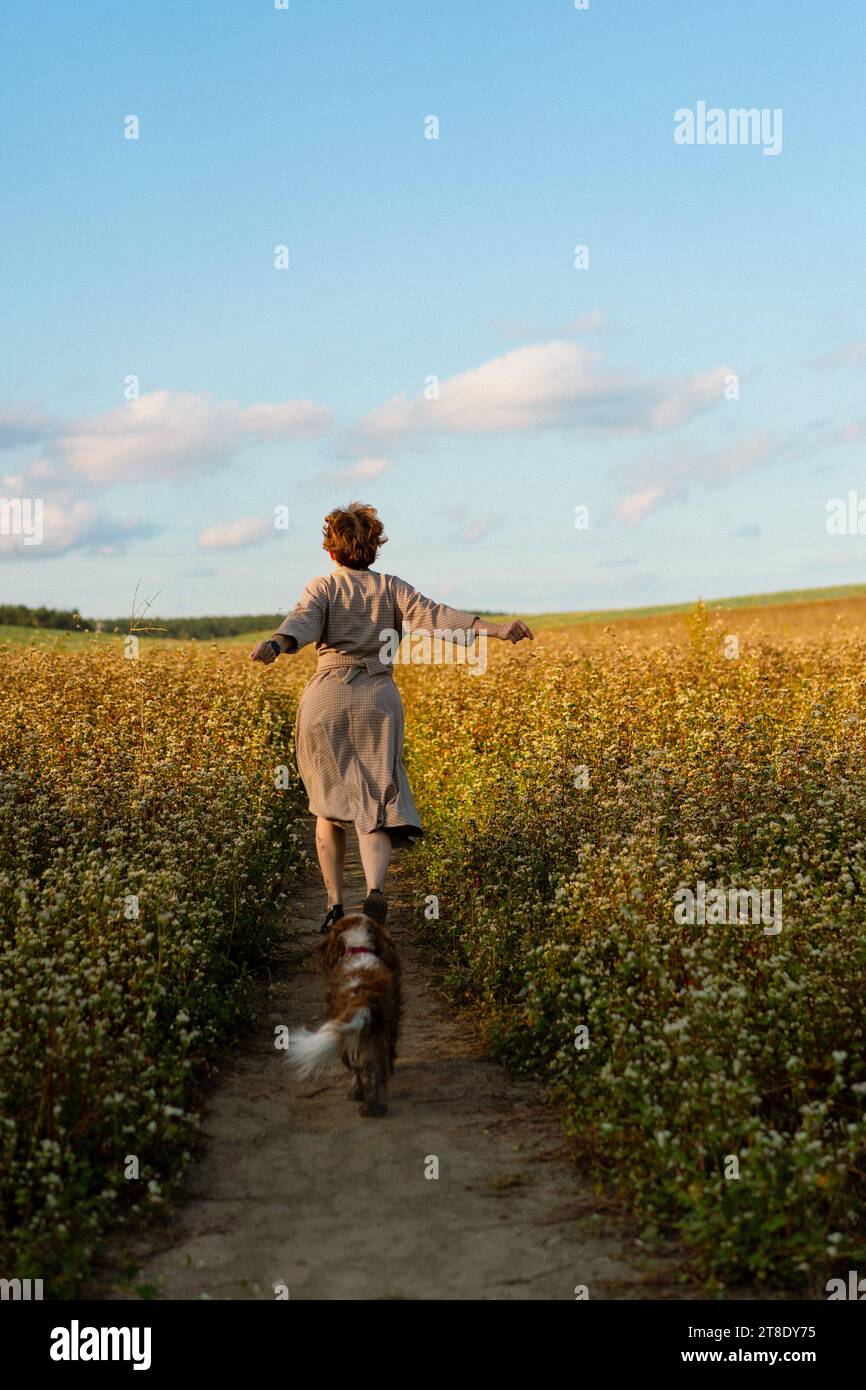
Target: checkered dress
(349, 730)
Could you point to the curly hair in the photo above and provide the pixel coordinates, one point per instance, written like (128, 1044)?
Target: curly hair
(353, 535)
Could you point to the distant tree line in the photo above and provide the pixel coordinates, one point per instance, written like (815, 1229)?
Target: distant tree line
(17, 615)
(70, 620)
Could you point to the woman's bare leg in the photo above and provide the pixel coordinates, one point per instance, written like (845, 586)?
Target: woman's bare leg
(331, 850)
(375, 850)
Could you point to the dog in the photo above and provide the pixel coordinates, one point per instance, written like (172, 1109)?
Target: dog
(363, 1007)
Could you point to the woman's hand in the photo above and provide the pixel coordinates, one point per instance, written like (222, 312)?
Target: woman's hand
(515, 632)
(508, 632)
(263, 651)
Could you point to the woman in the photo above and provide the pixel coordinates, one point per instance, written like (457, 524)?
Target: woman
(349, 729)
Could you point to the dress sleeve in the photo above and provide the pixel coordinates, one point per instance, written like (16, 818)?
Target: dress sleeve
(424, 614)
(306, 622)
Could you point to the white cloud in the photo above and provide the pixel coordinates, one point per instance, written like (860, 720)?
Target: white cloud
(848, 355)
(634, 508)
(825, 436)
(23, 424)
(69, 524)
(549, 385)
(361, 472)
(42, 470)
(166, 433)
(292, 418)
(482, 526)
(234, 535)
(663, 476)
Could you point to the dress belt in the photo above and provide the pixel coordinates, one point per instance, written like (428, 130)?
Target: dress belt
(346, 667)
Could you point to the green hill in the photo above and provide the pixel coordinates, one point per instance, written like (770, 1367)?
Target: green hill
(22, 625)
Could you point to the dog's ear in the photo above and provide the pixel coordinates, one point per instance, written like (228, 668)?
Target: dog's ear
(385, 948)
(332, 948)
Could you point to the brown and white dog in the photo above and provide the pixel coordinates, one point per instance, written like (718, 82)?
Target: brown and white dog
(362, 1006)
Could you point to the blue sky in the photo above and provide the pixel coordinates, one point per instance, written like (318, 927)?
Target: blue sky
(412, 258)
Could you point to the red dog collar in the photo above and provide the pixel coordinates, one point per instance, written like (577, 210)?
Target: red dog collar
(360, 950)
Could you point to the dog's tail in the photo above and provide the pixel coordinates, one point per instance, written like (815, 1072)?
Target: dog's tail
(311, 1052)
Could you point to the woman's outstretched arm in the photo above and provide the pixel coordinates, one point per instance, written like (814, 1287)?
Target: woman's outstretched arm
(426, 615)
(304, 624)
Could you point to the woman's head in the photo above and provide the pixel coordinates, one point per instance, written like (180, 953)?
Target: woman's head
(353, 535)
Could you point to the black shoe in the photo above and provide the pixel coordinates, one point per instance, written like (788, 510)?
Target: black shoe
(376, 906)
(334, 915)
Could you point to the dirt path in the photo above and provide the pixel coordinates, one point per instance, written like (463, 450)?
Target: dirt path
(295, 1189)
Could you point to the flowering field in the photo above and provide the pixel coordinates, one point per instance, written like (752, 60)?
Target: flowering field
(142, 840)
(647, 852)
(579, 797)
